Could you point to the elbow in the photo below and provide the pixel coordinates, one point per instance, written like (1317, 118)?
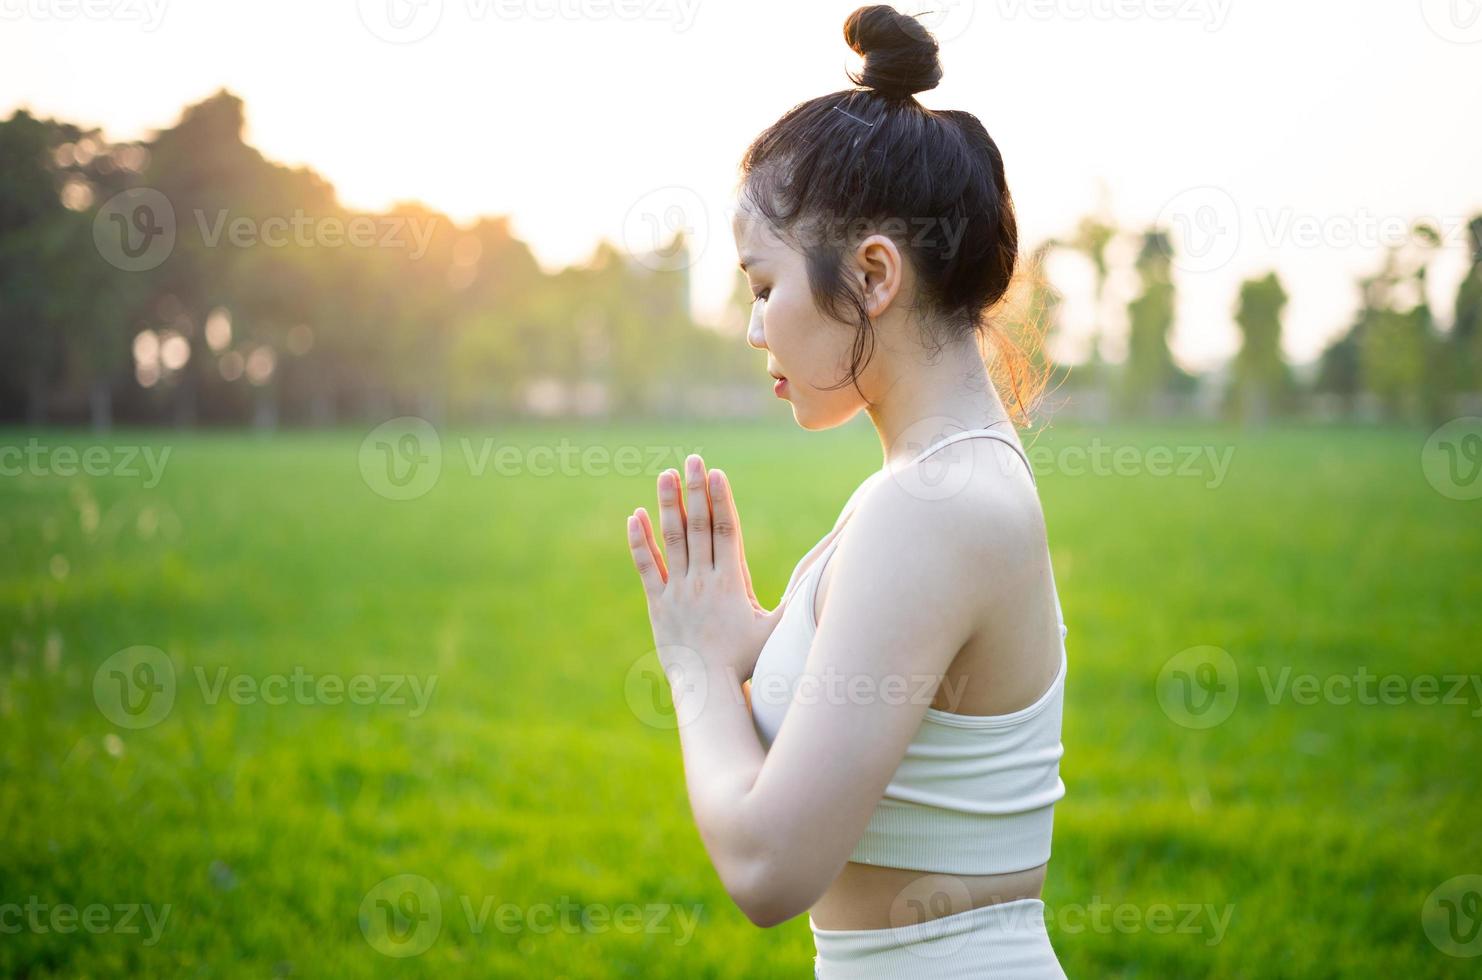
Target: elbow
(764, 914)
(765, 896)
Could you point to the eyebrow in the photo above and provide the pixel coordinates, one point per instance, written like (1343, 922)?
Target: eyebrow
(748, 258)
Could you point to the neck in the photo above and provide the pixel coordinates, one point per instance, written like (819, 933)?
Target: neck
(927, 396)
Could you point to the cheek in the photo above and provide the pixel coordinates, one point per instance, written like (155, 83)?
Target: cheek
(792, 330)
(811, 350)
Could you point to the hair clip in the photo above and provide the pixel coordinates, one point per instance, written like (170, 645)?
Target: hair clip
(852, 116)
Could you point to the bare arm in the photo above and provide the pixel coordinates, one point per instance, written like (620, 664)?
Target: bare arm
(780, 825)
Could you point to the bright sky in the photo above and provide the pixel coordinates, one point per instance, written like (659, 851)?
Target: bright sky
(1290, 135)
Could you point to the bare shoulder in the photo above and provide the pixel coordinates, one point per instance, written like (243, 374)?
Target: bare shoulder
(948, 535)
(981, 508)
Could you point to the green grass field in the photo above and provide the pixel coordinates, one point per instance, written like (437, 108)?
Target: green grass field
(537, 797)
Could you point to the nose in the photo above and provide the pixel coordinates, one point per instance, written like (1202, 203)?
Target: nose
(754, 335)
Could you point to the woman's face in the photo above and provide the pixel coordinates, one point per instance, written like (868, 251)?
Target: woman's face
(804, 346)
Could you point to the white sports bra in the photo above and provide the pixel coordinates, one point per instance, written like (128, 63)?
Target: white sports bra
(974, 794)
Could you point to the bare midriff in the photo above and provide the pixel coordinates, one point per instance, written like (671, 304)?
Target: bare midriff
(869, 897)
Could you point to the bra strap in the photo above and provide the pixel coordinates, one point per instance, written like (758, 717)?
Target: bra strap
(968, 434)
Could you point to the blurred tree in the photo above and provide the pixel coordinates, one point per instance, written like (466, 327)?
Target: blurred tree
(1150, 371)
(1394, 337)
(101, 303)
(1340, 372)
(33, 235)
(214, 183)
(1465, 341)
(1261, 381)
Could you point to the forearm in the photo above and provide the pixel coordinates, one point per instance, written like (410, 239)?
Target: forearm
(722, 757)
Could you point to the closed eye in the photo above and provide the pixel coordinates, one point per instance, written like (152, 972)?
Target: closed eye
(761, 295)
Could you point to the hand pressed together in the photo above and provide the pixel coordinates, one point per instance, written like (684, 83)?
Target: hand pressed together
(699, 592)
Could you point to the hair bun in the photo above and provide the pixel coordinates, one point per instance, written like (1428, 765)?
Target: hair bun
(900, 55)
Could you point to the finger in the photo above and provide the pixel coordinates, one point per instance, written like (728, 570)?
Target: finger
(643, 559)
(648, 537)
(671, 523)
(723, 525)
(741, 544)
(697, 513)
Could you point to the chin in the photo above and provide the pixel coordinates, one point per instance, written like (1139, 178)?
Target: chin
(816, 422)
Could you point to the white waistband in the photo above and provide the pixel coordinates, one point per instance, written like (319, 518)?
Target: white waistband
(1006, 940)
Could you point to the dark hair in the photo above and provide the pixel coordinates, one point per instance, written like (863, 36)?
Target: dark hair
(873, 159)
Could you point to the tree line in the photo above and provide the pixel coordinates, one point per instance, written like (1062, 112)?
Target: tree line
(187, 280)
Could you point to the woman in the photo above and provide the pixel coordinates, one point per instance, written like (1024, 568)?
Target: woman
(906, 803)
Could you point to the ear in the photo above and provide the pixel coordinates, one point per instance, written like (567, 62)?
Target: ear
(879, 270)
